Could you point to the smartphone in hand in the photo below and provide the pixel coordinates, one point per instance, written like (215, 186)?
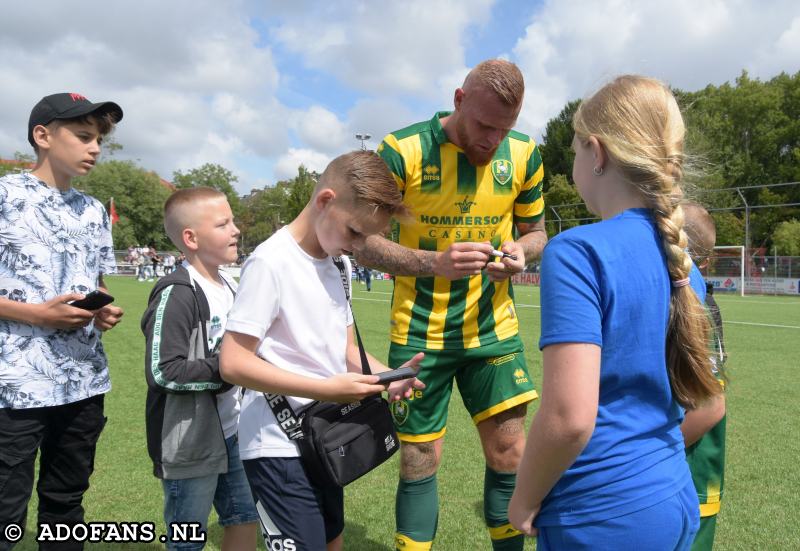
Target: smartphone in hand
(386, 377)
(93, 301)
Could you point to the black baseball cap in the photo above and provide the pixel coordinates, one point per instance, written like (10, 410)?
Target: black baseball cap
(67, 105)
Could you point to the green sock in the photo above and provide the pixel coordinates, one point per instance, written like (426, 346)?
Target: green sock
(497, 490)
(416, 513)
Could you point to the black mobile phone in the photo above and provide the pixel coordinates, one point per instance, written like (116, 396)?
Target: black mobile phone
(386, 377)
(93, 301)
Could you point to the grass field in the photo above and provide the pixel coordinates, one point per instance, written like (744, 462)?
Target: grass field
(759, 511)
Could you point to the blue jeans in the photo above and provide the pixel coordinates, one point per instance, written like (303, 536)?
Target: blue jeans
(190, 499)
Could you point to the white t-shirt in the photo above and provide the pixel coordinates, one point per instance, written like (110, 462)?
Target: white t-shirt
(220, 300)
(296, 305)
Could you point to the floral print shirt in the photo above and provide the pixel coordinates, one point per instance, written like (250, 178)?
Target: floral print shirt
(52, 242)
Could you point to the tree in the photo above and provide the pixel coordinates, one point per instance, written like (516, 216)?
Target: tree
(747, 134)
(111, 146)
(264, 211)
(139, 198)
(214, 176)
(556, 147)
(562, 192)
(262, 215)
(730, 228)
(786, 238)
(301, 187)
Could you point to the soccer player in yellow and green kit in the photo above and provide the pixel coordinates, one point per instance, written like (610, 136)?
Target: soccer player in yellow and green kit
(473, 186)
(703, 428)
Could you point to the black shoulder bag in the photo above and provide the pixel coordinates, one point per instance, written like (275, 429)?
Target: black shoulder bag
(339, 442)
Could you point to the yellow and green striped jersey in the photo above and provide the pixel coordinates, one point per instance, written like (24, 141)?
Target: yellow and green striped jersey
(451, 200)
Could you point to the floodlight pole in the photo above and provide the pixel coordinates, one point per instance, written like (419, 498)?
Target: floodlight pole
(363, 136)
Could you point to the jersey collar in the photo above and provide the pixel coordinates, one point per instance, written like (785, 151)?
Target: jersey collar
(436, 127)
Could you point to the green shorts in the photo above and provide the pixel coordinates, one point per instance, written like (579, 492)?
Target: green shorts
(491, 379)
(704, 540)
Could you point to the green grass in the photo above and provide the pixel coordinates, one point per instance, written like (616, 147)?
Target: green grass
(759, 510)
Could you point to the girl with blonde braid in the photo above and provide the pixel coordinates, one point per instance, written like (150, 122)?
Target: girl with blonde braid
(623, 340)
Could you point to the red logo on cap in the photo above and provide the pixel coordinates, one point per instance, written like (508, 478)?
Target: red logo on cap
(77, 97)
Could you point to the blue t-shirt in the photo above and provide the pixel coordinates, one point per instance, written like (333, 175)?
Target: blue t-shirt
(607, 284)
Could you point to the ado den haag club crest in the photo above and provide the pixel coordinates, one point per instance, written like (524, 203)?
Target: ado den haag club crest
(399, 411)
(502, 170)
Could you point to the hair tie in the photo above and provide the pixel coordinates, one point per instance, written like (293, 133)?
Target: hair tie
(680, 282)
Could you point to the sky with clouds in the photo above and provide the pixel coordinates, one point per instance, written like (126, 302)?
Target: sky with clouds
(261, 86)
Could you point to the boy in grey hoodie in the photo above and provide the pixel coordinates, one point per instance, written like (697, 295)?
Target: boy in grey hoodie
(192, 415)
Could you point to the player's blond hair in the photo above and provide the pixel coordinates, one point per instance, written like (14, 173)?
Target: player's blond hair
(638, 122)
(367, 181)
(179, 211)
(502, 77)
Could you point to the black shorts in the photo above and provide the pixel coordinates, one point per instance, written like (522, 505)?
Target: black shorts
(291, 508)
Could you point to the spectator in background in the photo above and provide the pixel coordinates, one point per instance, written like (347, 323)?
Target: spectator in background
(155, 261)
(141, 265)
(168, 262)
(368, 278)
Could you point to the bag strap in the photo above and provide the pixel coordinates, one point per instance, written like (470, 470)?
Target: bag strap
(285, 415)
(281, 409)
(337, 260)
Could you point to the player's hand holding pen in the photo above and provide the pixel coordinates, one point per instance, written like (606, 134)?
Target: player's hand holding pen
(462, 259)
(508, 260)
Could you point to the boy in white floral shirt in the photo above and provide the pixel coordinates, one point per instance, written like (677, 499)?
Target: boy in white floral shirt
(55, 246)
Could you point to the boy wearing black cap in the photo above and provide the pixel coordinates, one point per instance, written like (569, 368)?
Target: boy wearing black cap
(55, 246)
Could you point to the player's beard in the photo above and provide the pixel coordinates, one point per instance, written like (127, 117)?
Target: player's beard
(475, 156)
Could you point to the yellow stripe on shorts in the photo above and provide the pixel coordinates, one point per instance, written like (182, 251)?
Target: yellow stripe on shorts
(523, 398)
(430, 437)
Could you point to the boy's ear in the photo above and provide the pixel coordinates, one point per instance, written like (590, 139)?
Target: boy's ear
(189, 238)
(324, 197)
(41, 136)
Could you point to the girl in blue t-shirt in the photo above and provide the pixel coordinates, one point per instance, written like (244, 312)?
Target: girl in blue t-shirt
(623, 340)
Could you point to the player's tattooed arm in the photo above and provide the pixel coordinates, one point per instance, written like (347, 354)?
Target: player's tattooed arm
(533, 238)
(382, 254)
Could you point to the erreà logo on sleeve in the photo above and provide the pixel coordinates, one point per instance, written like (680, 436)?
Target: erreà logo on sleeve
(430, 174)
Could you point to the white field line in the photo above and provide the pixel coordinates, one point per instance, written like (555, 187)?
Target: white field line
(383, 300)
(537, 306)
(761, 324)
(740, 300)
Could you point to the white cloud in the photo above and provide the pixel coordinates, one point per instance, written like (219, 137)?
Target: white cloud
(378, 117)
(572, 48)
(287, 164)
(261, 86)
(321, 129)
(396, 48)
(195, 83)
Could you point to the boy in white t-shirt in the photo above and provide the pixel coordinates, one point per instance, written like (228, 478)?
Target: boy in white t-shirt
(192, 415)
(290, 332)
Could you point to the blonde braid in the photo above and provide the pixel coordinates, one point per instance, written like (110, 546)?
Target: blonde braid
(689, 330)
(639, 123)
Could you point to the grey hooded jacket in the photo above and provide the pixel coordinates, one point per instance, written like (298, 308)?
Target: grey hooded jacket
(184, 432)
